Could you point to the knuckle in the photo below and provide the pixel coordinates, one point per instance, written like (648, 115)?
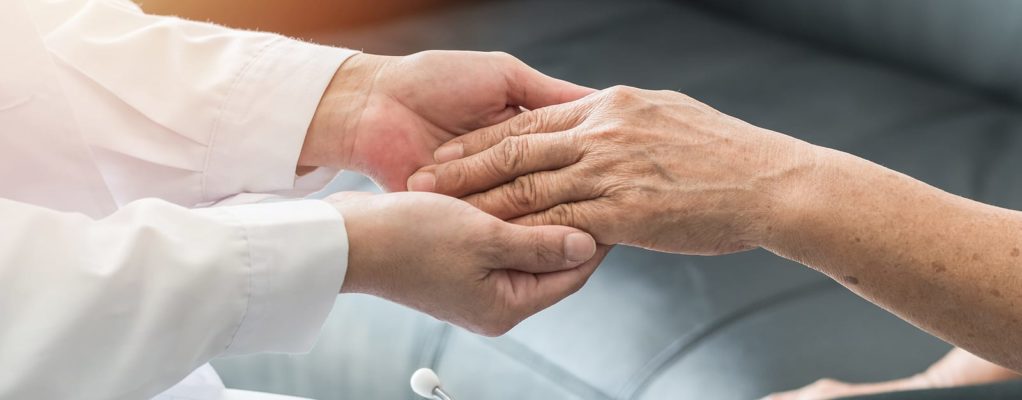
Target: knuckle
(504, 56)
(521, 193)
(451, 176)
(617, 189)
(621, 92)
(612, 130)
(511, 153)
(825, 383)
(563, 214)
(523, 123)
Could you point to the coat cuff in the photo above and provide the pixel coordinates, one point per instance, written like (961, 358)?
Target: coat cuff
(297, 258)
(269, 108)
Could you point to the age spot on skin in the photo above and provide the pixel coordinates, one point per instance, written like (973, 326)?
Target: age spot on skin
(938, 267)
(851, 280)
(858, 239)
(995, 292)
(975, 256)
(1014, 252)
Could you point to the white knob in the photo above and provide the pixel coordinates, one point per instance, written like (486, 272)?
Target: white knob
(424, 381)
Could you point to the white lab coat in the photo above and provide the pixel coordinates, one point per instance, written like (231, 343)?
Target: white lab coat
(112, 123)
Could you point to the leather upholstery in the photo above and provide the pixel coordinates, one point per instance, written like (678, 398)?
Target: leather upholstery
(658, 326)
(971, 42)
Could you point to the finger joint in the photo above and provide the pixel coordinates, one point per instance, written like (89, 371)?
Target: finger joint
(522, 193)
(511, 154)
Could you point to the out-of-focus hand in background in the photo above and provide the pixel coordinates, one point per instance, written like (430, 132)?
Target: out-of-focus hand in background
(958, 368)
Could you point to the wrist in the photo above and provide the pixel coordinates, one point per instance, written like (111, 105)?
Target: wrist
(791, 190)
(332, 132)
(355, 212)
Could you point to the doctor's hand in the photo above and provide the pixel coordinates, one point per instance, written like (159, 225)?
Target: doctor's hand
(657, 170)
(441, 256)
(385, 116)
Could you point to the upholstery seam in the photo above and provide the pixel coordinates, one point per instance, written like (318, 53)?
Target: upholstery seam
(637, 386)
(501, 345)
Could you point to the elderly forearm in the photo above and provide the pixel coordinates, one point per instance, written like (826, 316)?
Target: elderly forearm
(664, 172)
(945, 263)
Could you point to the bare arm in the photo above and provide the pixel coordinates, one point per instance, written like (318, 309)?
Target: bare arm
(947, 264)
(662, 171)
(959, 368)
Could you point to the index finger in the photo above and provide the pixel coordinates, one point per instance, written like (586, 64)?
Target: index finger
(529, 88)
(556, 118)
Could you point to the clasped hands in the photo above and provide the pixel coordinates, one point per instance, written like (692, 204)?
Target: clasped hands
(539, 165)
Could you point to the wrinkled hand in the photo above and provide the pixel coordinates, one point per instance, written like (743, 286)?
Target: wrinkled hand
(384, 116)
(653, 169)
(441, 256)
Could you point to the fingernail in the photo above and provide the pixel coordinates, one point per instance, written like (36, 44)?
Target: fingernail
(579, 247)
(422, 182)
(449, 152)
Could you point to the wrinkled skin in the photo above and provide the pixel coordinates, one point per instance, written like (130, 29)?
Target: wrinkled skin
(657, 170)
(385, 116)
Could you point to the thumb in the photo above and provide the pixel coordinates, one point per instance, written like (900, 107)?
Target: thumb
(532, 89)
(551, 287)
(543, 249)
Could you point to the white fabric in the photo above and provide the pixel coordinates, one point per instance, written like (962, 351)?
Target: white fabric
(112, 123)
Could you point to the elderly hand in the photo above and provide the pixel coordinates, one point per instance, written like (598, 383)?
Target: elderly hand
(384, 116)
(441, 256)
(657, 170)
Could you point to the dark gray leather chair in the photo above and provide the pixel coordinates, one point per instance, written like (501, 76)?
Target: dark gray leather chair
(930, 88)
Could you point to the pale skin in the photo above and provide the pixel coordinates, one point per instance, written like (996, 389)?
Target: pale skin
(384, 117)
(665, 172)
(957, 368)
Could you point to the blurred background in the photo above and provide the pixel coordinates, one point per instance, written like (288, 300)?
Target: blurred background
(298, 18)
(928, 87)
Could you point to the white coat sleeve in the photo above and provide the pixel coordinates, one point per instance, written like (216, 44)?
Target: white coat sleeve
(126, 306)
(186, 111)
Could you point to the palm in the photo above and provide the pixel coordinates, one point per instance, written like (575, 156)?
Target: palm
(394, 141)
(421, 101)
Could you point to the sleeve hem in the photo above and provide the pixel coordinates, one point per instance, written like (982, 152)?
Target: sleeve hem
(298, 259)
(262, 127)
